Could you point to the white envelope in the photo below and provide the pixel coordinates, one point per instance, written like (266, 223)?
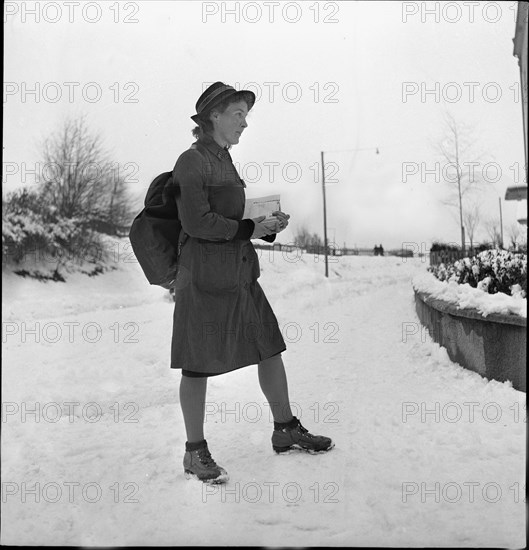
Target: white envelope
(262, 206)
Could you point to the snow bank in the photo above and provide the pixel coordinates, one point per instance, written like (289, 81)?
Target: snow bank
(465, 296)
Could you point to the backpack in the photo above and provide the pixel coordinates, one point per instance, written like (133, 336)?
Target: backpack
(155, 233)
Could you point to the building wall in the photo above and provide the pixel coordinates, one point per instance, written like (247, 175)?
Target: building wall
(520, 51)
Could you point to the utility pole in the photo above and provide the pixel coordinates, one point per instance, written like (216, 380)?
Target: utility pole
(324, 215)
(324, 203)
(501, 225)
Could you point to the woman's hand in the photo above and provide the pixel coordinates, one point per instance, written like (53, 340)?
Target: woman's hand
(264, 227)
(282, 220)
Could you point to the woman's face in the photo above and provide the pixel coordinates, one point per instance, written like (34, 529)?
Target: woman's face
(229, 125)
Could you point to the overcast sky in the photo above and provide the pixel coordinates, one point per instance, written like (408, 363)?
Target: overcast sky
(331, 76)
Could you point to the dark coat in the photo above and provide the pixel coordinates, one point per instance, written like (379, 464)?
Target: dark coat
(222, 319)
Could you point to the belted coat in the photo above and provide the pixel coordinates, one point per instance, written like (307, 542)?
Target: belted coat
(222, 319)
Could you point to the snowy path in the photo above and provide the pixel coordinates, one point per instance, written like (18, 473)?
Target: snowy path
(351, 375)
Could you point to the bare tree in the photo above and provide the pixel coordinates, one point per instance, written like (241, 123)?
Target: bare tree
(459, 169)
(310, 242)
(471, 219)
(302, 237)
(522, 240)
(79, 178)
(514, 235)
(492, 227)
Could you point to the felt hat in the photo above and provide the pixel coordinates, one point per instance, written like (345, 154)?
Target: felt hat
(217, 93)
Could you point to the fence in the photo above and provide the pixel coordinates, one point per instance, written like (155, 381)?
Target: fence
(446, 256)
(332, 251)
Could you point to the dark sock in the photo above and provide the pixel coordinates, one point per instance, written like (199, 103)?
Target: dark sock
(194, 445)
(290, 424)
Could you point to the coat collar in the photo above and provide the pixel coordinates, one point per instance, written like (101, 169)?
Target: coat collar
(220, 152)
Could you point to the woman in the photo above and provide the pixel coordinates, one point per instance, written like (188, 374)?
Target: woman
(222, 319)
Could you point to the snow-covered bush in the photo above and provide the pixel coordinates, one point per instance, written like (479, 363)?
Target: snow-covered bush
(491, 271)
(32, 231)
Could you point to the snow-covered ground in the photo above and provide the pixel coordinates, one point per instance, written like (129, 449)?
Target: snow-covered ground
(427, 453)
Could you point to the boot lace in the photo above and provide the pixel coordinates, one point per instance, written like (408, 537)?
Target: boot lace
(304, 431)
(205, 457)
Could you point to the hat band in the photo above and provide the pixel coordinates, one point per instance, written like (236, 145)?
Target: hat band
(212, 96)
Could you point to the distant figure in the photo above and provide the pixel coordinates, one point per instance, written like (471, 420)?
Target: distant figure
(375, 250)
(381, 250)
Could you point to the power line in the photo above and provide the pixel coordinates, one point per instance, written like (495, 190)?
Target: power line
(353, 150)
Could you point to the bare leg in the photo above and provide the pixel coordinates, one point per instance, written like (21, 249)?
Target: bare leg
(193, 402)
(273, 382)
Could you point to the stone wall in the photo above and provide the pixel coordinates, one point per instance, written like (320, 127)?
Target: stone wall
(493, 346)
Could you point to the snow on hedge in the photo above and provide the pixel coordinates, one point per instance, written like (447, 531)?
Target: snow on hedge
(465, 296)
(493, 281)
